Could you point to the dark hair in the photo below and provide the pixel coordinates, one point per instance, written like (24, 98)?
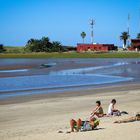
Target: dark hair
(113, 101)
(98, 102)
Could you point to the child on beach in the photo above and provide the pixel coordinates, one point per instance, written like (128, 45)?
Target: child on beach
(112, 110)
(98, 111)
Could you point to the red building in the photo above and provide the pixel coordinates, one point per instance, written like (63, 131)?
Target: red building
(95, 47)
(135, 44)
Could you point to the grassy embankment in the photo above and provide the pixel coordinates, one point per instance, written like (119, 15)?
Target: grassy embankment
(72, 55)
(18, 52)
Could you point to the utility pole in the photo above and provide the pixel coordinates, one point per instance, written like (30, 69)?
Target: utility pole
(128, 29)
(92, 23)
(128, 24)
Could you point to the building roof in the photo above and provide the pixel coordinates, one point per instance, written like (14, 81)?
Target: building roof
(94, 44)
(136, 39)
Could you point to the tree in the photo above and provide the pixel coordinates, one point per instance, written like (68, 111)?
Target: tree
(46, 44)
(83, 35)
(32, 45)
(57, 47)
(36, 45)
(138, 35)
(43, 45)
(2, 49)
(124, 36)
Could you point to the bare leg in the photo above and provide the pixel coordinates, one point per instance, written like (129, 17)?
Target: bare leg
(92, 123)
(99, 115)
(79, 122)
(96, 114)
(126, 120)
(72, 123)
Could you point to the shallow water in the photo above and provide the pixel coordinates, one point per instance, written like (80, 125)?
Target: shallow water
(100, 71)
(10, 71)
(56, 81)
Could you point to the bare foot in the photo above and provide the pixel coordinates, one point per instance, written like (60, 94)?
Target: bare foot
(117, 122)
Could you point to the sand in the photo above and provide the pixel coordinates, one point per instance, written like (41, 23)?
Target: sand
(42, 119)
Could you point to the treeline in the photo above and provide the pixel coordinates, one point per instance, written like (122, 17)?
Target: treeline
(38, 45)
(44, 45)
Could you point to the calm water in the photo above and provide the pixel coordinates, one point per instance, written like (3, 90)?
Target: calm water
(88, 72)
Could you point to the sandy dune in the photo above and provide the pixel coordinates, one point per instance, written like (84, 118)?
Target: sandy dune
(42, 119)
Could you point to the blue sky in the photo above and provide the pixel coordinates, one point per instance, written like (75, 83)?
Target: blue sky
(64, 20)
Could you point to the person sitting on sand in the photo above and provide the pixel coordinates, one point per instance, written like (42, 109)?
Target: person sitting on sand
(80, 125)
(132, 119)
(98, 111)
(112, 110)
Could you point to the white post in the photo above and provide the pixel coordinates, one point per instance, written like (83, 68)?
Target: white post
(124, 46)
(128, 28)
(92, 22)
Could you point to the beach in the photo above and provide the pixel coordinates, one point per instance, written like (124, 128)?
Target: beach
(44, 117)
(37, 103)
(70, 70)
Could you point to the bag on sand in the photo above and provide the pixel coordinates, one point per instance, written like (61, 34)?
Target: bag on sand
(117, 113)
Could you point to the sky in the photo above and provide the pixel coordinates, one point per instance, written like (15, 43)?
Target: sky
(64, 20)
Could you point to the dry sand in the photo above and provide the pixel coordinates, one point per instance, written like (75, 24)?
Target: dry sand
(42, 119)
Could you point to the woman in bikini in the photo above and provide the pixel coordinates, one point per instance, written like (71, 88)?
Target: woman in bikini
(98, 111)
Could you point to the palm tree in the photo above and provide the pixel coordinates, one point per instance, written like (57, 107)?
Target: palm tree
(31, 41)
(124, 36)
(138, 35)
(45, 40)
(83, 35)
(57, 47)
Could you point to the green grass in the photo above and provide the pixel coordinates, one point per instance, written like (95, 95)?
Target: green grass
(72, 55)
(14, 49)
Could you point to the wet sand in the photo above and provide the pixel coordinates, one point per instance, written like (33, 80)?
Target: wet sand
(71, 93)
(36, 69)
(40, 118)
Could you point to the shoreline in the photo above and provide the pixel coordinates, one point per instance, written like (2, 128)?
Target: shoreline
(71, 93)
